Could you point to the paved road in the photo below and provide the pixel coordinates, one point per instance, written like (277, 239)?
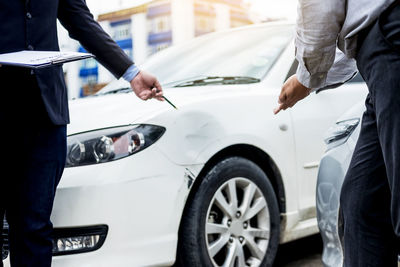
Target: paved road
(301, 253)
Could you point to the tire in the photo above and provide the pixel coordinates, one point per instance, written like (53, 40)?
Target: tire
(215, 231)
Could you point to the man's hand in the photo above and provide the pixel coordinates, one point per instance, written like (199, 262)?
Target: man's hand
(146, 86)
(292, 92)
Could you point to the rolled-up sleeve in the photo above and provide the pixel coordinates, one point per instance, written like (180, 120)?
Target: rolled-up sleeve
(318, 27)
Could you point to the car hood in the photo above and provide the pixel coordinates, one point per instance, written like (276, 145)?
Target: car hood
(96, 112)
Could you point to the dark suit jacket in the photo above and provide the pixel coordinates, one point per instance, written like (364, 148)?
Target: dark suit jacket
(31, 25)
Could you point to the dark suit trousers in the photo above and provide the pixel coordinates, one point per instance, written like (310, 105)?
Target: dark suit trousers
(32, 161)
(370, 198)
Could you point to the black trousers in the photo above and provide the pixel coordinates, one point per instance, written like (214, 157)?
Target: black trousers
(32, 161)
(370, 197)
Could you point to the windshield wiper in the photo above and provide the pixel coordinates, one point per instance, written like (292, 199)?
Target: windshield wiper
(116, 91)
(225, 80)
(205, 80)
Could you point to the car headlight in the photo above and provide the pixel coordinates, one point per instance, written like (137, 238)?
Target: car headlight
(339, 133)
(110, 144)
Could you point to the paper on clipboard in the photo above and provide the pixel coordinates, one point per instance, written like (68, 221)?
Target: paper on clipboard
(40, 59)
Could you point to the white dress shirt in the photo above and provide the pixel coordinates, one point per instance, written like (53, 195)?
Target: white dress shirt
(326, 39)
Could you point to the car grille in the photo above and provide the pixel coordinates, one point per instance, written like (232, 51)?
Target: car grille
(4, 235)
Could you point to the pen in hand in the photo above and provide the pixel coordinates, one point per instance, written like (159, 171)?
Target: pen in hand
(166, 99)
(169, 102)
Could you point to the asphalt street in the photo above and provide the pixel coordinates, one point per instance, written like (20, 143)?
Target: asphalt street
(300, 253)
(305, 252)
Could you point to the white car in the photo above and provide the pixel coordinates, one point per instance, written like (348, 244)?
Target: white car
(220, 181)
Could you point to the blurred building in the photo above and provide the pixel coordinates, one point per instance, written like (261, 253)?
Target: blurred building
(147, 28)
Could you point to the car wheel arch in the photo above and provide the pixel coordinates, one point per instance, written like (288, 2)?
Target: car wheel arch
(257, 156)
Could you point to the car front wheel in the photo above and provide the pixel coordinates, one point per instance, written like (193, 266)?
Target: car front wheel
(232, 220)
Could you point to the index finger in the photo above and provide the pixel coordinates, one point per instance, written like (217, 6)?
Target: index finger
(277, 109)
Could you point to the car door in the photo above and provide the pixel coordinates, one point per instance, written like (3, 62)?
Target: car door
(311, 118)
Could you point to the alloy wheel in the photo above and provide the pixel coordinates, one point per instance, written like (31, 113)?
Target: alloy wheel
(238, 225)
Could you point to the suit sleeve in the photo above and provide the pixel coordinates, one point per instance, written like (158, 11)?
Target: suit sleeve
(75, 16)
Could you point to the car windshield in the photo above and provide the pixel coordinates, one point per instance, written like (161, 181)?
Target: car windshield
(247, 52)
(234, 57)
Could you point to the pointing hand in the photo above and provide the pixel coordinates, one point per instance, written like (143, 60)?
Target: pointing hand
(292, 92)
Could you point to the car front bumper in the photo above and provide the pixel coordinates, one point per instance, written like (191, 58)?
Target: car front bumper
(139, 198)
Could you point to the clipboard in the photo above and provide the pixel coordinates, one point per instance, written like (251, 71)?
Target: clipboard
(40, 59)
